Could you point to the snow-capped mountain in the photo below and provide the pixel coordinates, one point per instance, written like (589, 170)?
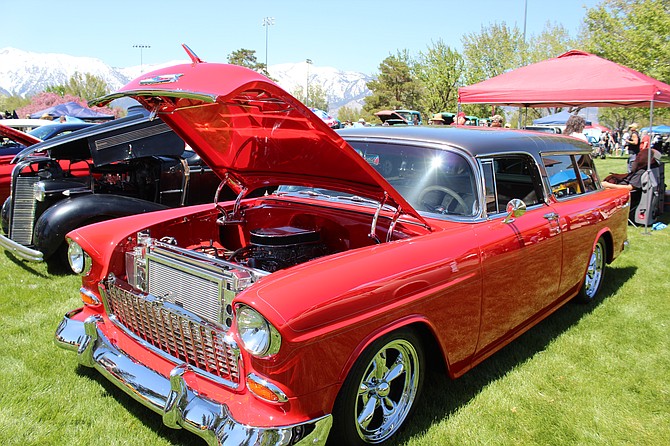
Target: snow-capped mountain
(25, 73)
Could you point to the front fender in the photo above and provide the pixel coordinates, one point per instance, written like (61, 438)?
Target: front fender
(75, 212)
(6, 212)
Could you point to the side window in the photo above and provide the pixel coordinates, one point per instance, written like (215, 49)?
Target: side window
(588, 173)
(511, 176)
(570, 175)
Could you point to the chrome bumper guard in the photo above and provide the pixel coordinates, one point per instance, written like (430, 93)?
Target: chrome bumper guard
(179, 405)
(21, 251)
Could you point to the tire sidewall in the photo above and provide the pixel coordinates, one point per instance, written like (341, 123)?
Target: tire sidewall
(344, 430)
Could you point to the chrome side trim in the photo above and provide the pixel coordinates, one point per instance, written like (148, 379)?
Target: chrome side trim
(23, 252)
(179, 405)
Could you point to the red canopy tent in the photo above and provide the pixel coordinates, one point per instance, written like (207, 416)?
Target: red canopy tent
(575, 78)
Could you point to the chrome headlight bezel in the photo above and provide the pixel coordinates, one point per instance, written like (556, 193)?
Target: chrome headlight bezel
(79, 261)
(39, 191)
(257, 335)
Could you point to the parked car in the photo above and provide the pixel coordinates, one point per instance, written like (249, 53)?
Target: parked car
(25, 125)
(14, 141)
(325, 117)
(395, 117)
(49, 131)
(315, 310)
(449, 118)
(122, 167)
(544, 128)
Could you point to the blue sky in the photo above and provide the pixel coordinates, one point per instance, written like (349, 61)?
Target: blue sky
(348, 35)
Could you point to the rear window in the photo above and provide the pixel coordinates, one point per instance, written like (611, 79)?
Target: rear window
(570, 175)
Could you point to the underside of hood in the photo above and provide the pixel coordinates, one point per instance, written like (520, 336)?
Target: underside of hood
(253, 133)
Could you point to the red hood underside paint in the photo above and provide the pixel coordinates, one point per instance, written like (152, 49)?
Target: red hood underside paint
(248, 128)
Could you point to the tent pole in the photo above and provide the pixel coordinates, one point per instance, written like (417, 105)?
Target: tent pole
(650, 196)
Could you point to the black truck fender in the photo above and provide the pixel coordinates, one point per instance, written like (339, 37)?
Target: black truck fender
(75, 212)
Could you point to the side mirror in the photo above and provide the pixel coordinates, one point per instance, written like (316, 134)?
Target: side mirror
(515, 208)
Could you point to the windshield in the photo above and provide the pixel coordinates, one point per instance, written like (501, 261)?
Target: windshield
(43, 132)
(434, 182)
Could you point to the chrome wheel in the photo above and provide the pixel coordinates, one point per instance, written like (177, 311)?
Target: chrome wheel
(595, 273)
(387, 391)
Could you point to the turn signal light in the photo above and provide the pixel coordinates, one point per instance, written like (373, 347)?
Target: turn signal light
(265, 390)
(88, 297)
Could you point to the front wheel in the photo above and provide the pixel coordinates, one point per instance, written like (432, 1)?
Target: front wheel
(380, 391)
(595, 273)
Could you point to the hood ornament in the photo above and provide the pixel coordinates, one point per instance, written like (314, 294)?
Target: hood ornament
(161, 79)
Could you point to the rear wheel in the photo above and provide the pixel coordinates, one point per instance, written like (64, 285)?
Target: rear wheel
(380, 392)
(595, 273)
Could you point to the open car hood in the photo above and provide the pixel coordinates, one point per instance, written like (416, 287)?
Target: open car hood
(18, 136)
(253, 133)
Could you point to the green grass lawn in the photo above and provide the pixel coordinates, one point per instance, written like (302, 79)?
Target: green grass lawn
(588, 375)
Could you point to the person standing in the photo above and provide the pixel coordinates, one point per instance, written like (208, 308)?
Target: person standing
(633, 143)
(460, 119)
(496, 121)
(575, 127)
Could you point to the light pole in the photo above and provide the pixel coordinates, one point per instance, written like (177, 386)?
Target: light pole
(267, 22)
(308, 62)
(141, 47)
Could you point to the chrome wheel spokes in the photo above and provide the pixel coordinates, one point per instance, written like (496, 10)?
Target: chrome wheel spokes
(594, 271)
(387, 391)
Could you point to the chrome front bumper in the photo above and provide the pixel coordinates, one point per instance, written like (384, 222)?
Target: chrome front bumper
(21, 251)
(179, 405)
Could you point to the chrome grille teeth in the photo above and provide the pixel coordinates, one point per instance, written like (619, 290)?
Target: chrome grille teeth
(200, 345)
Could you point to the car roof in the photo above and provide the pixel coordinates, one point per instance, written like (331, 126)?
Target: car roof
(478, 141)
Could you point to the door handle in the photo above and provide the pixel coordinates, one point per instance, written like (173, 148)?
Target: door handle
(551, 216)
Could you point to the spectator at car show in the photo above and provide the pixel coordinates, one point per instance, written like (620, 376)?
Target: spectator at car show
(437, 119)
(633, 180)
(460, 119)
(645, 139)
(633, 142)
(575, 127)
(496, 121)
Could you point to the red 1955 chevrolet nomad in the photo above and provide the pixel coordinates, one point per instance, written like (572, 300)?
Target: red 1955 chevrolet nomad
(308, 313)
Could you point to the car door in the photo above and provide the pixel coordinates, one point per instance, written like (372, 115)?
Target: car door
(571, 178)
(522, 256)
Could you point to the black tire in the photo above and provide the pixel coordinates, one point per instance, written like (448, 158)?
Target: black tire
(387, 377)
(595, 273)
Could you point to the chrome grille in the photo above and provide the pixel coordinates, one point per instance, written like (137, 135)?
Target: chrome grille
(23, 210)
(199, 295)
(197, 343)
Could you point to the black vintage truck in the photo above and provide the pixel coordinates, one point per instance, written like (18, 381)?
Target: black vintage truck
(128, 166)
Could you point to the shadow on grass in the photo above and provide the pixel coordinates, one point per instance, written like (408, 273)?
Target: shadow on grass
(447, 395)
(24, 265)
(148, 417)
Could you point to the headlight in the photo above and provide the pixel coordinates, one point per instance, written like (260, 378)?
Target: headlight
(39, 191)
(80, 262)
(258, 336)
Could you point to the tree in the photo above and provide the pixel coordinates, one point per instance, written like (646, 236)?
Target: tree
(440, 70)
(396, 86)
(12, 103)
(496, 49)
(87, 87)
(48, 99)
(247, 58)
(345, 113)
(316, 99)
(635, 34)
